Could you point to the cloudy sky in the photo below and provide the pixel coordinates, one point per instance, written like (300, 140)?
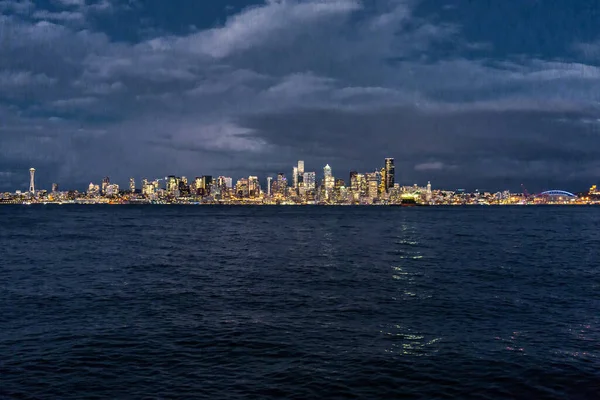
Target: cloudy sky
(482, 94)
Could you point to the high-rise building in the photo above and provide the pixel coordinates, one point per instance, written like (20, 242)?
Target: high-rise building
(310, 181)
(253, 187)
(281, 184)
(112, 190)
(295, 177)
(328, 181)
(32, 180)
(172, 184)
(241, 188)
(132, 185)
(382, 181)
(206, 185)
(372, 185)
(105, 183)
(269, 179)
(55, 188)
(390, 172)
(428, 195)
(300, 167)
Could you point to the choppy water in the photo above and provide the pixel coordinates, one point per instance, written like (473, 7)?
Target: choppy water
(299, 302)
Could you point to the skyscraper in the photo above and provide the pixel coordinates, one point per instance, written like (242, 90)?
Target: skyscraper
(300, 167)
(295, 177)
(132, 185)
(253, 187)
(310, 180)
(390, 171)
(269, 179)
(328, 180)
(428, 195)
(105, 183)
(54, 187)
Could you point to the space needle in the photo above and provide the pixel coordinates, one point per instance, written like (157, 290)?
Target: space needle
(32, 180)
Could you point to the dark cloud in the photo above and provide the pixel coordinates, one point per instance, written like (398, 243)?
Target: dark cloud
(473, 148)
(344, 82)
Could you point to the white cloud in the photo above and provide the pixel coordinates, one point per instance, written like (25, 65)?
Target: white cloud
(431, 166)
(58, 16)
(20, 79)
(259, 24)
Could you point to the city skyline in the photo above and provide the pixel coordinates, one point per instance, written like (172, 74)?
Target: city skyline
(134, 181)
(458, 96)
(376, 187)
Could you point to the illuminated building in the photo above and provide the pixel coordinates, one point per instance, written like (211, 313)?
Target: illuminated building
(382, 182)
(428, 195)
(112, 190)
(172, 184)
(32, 180)
(196, 185)
(93, 190)
(132, 185)
(183, 187)
(362, 185)
(147, 188)
(310, 181)
(390, 172)
(253, 187)
(241, 188)
(105, 183)
(281, 184)
(300, 174)
(295, 177)
(372, 185)
(54, 187)
(269, 179)
(328, 181)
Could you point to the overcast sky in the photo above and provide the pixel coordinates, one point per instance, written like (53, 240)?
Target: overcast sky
(483, 94)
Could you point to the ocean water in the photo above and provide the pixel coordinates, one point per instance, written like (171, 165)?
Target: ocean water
(163, 302)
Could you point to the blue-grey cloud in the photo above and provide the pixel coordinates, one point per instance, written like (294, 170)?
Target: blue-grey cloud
(343, 81)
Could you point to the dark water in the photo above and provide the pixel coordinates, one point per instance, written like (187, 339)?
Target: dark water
(299, 302)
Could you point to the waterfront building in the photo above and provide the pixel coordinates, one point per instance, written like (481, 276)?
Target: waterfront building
(132, 185)
(54, 187)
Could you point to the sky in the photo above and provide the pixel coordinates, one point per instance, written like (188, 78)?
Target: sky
(474, 94)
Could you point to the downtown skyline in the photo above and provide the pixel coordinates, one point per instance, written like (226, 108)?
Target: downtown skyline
(301, 187)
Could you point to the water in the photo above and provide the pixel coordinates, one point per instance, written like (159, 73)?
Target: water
(165, 302)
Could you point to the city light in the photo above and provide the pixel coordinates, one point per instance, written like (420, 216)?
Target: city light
(377, 187)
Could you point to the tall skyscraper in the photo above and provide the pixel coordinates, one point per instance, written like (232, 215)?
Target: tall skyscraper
(269, 179)
(32, 180)
(310, 180)
(295, 177)
(253, 187)
(328, 181)
(281, 184)
(390, 172)
(172, 184)
(300, 167)
(105, 183)
(132, 185)
(428, 195)
(54, 187)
